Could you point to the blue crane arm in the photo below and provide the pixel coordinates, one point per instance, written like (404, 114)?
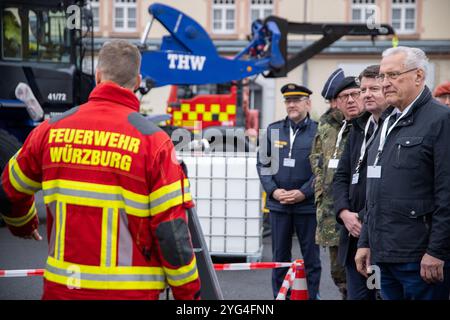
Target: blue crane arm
(188, 55)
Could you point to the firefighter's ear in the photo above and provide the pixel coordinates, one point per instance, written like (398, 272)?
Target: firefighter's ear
(98, 77)
(138, 82)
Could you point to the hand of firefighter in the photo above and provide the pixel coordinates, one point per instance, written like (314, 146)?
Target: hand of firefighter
(292, 196)
(431, 269)
(351, 222)
(34, 235)
(362, 260)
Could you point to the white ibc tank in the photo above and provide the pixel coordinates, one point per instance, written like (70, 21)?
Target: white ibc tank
(227, 194)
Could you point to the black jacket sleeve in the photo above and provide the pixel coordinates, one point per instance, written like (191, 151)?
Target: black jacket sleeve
(342, 179)
(439, 242)
(265, 165)
(363, 241)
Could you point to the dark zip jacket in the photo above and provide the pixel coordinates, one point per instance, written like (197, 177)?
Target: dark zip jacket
(273, 174)
(408, 208)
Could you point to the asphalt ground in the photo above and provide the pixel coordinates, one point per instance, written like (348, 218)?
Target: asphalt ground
(16, 253)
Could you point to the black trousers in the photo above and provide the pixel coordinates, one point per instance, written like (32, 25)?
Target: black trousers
(357, 288)
(283, 225)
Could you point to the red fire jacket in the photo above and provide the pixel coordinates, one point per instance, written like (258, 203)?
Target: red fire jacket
(115, 197)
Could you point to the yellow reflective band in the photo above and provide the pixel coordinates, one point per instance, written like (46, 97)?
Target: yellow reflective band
(183, 275)
(215, 108)
(200, 108)
(231, 109)
(188, 123)
(96, 195)
(169, 196)
(207, 116)
(223, 117)
(185, 108)
(165, 190)
(101, 277)
(177, 115)
(60, 230)
(295, 93)
(19, 180)
(108, 255)
(187, 190)
(21, 221)
(192, 116)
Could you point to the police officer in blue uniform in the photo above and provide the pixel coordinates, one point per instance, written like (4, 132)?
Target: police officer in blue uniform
(285, 173)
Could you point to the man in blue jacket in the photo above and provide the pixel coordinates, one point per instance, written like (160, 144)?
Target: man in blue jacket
(285, 173)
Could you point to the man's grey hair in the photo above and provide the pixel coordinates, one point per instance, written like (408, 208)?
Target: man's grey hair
(415, 57)
(119, 61)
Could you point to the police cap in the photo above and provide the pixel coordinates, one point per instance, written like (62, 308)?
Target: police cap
(292, 90)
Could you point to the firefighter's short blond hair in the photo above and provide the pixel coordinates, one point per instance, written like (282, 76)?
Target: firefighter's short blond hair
(119, 61)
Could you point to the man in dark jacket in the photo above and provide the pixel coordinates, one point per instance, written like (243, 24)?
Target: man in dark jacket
(285, 173)
(349, 186)
(406, 230)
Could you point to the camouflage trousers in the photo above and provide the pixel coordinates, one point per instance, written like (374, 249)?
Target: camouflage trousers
(327, 235)
(327, 232)
(337, 272)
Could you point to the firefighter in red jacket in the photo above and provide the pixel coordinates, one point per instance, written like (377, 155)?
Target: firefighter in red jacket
(114, 191)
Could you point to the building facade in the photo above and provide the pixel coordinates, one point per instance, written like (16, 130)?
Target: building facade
(419, 23)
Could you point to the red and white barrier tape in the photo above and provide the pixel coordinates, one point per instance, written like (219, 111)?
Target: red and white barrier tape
(21, 273)
(251, 266)
(217, 267)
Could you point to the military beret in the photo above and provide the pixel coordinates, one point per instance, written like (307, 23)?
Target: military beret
(347, 83)
(292, 89)
(444, 88)
(330, 86)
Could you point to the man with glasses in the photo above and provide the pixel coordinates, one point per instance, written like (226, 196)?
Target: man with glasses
(349, 185)
(406, 230)
(442, 93)
(285, 173)
(328, 146)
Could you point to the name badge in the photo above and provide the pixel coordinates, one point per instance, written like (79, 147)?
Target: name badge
(355, 178)
(333, 163)
(288, 162)
(374, 172)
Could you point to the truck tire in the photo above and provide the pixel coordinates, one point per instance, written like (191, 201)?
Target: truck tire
(10, 145)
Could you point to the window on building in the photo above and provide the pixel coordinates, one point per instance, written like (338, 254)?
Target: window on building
(362, 10)
(224, 16)
(125, 15)
(95, 7)
(404, 16)
(260, 9)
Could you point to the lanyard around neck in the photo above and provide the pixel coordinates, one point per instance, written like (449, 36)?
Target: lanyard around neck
(385, 131)
(339, 139)
(365, 143)
(292, 136)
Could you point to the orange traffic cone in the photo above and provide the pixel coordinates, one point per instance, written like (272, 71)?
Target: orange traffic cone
(299, 290)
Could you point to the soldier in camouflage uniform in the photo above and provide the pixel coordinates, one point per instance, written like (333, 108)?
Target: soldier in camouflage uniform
(334, 125)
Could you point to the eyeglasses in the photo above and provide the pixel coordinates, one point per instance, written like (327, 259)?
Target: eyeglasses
(295, 100)
(344, 97)
(392, 75)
